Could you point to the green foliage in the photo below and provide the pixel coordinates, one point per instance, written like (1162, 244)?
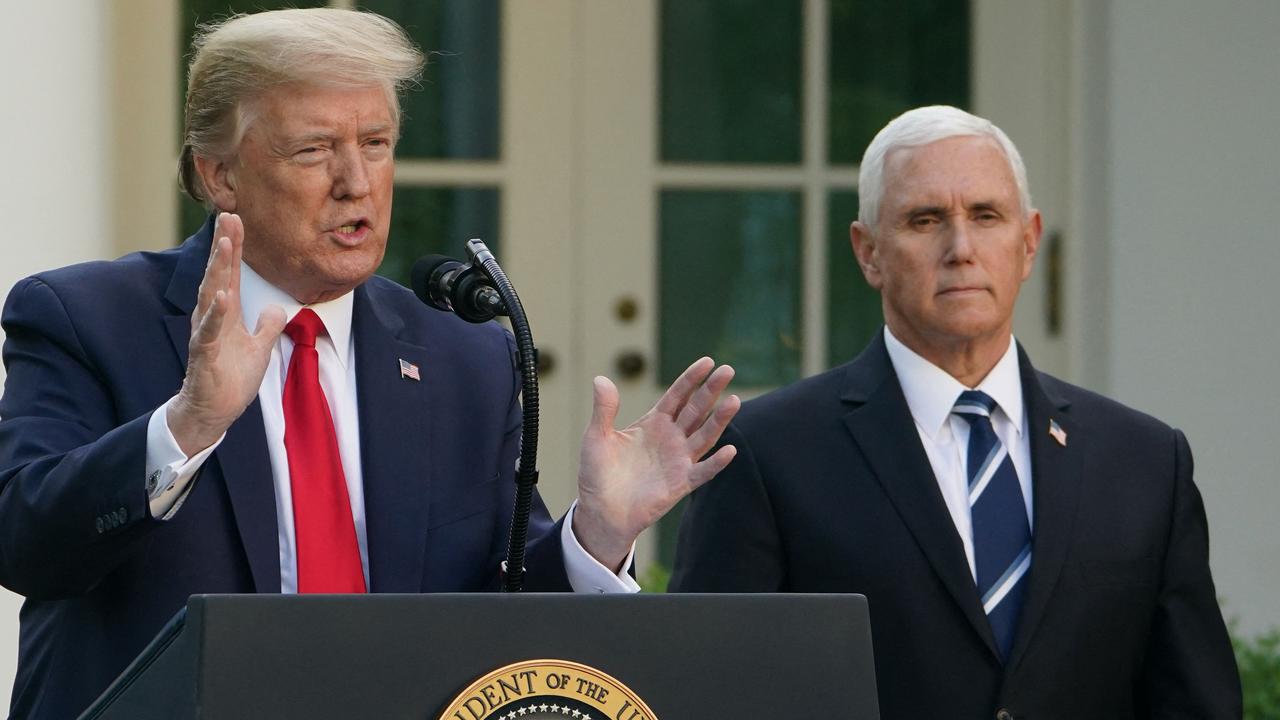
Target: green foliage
(655, 578)
(1259, 661)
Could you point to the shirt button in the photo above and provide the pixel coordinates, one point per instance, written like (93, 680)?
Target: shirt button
(1003, 714)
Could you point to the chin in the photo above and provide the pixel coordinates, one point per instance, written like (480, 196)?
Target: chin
(975, 332)
(350, 271)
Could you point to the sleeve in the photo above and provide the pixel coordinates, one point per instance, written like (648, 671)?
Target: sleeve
(73, 501)
(586, 574)
(729, 539)
(170, 473)
(1191, 670)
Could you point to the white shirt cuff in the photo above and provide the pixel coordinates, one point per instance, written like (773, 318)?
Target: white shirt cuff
(586, 574)
(169, 470)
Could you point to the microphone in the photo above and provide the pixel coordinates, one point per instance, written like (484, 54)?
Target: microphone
(477, 291)
(451, 286)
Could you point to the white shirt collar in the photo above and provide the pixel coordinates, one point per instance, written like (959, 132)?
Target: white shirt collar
(256, 294)
(931, 393)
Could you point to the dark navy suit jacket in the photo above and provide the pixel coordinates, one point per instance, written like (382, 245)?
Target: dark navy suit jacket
(831, 491)
(91, 350)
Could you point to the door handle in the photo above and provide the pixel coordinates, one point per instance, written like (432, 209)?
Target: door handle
(630, 364)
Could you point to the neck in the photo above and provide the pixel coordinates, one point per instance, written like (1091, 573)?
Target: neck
(969, 361)
(305, 293)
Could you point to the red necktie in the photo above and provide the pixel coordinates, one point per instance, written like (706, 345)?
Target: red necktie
(328, 553)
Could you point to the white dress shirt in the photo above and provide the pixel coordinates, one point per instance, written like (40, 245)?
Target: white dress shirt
(169, 470)
(931, 394)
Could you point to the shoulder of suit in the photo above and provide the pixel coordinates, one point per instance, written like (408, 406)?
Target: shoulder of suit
(818, 395)
(421, 317)
(123, 283)
(1100, 412)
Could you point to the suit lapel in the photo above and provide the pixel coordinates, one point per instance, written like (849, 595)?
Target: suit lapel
(1055, 490)
(246, 471)
(242, 457)
(395, 438)
(884, 431)
(183, 286)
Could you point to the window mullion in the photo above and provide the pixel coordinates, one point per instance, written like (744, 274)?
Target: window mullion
(814, 256)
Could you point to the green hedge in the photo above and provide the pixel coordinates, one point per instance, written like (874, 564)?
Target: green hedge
(1259, 661)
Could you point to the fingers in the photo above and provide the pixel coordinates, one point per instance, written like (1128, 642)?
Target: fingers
(713, 427)
(270, 323)
(704, 398)
(210, 323)
(232, 228)
(222, 274)
(710, 467)
(209, 284)
(676, 396)
(604, 404)
(223, 269)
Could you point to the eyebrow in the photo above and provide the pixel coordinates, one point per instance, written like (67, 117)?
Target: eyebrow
(919, 210)
(379, 129)
(325, 135)
(986, 205)
(306, 138)
(922, 210)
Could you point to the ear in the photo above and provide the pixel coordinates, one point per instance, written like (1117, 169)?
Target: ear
(219, 181)
(1031, 241)
(864, 250)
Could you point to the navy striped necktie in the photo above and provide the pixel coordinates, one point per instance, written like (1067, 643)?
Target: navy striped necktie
(1001, 531)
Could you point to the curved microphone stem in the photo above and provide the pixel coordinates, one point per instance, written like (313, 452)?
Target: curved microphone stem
(527, 469)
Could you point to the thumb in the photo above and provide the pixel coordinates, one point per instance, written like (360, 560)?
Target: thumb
(270, 323)
(604, 408)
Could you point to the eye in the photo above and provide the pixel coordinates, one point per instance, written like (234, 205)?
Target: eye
(311, 153)
(923, 222)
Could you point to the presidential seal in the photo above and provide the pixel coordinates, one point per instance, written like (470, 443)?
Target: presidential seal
(547, 689)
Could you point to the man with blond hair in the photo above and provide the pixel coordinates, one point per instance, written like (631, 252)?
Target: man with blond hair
(1027, 548)
(255, 411)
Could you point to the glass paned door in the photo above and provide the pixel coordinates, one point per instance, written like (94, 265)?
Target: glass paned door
(728, 283)
(716, 181)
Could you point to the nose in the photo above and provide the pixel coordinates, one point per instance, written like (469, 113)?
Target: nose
(350, 176)
(959, 242)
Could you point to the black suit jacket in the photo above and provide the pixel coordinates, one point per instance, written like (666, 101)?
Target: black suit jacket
(831, 491)
(91, 350)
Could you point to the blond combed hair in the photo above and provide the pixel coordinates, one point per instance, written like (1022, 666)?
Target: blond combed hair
(236, 60)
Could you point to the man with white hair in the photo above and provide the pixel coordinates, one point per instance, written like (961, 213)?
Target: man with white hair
(1027, 548)
(153, 446)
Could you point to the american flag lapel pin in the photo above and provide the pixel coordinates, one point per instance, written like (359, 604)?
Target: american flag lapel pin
(1057, 432)
(410, 371)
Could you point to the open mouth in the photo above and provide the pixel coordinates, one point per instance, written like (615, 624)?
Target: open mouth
(352, 227)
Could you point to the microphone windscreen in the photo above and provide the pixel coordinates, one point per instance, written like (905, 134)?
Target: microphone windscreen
(420, 276)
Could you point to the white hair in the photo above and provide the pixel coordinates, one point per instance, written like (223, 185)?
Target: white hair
(923, 126)
(236, 60)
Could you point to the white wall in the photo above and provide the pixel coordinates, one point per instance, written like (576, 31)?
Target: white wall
(53, 191)
(1192, 115)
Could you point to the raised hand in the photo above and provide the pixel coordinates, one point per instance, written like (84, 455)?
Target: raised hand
(225, 362)
(629, 478)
